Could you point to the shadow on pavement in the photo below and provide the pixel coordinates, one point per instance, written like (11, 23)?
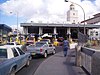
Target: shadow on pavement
(59, 56)
(69, 63)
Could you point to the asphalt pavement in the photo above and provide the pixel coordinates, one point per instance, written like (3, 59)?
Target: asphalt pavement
(60, 65)
(34, 64)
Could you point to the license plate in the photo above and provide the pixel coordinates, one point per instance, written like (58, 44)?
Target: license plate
(33, 53)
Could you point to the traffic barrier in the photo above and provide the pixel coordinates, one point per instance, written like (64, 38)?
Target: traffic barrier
(88, 59)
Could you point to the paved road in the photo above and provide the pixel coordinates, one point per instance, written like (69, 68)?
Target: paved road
(32, 68)
(60, 65)
(34, 64)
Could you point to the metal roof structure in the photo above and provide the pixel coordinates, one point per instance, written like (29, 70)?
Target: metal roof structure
(59, 25)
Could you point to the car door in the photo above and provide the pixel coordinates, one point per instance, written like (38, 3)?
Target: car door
(20, 58)
(23, 57)
(51, 48)
(17, 58)
(46, 48)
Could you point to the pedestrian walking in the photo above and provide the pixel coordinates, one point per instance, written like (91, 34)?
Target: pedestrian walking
(65, 46)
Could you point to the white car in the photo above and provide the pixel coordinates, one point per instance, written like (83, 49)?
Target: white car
(13, 44)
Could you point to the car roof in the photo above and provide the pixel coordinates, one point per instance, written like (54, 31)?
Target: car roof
(2, 47)
(6, 47)
(11, 42)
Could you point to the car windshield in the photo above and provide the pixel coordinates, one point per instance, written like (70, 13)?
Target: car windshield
(3, 53)
(39, 44)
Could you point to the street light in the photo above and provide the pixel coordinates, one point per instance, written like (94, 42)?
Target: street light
(16, 21)
(82, 10)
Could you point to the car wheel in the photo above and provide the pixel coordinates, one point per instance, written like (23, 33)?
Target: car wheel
(53, 52)
(12, 72)
(45, 54)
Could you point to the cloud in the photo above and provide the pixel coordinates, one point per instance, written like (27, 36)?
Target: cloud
(97, 3)
(89, 7)
(48, 10)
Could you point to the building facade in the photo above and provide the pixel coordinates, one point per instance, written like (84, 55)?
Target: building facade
(61, 30)
(94, 33)
(94, 20)
(72, 15)
(4, 30)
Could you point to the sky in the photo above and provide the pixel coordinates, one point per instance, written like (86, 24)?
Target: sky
(22, 11)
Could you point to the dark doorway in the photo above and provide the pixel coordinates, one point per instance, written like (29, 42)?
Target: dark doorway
(62, 32)
(74, 33)
(33, 30)
(48, 30)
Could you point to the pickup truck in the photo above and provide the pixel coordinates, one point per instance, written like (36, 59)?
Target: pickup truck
(41, 48)
(12, 59)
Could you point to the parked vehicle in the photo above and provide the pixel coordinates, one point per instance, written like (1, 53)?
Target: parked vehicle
(55, 42)
(12, 59)
(41, 48)
(30, 40)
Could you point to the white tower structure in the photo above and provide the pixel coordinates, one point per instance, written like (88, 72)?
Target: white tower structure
(72, 15)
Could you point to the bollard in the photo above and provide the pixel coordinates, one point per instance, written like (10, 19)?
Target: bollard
(78, 56)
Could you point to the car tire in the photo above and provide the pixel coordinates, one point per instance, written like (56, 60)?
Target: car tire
(45, 54)
(53, 52)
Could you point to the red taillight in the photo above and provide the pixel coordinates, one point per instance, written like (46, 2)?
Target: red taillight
(41, 49)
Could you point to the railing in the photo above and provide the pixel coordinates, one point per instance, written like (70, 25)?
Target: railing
(88, 59)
